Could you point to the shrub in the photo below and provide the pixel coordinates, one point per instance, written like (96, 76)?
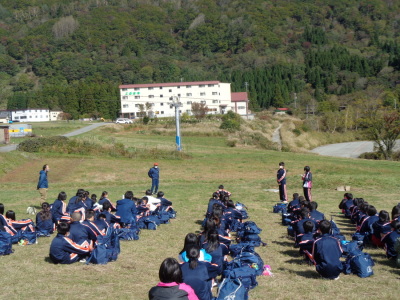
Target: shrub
(231, 143)
(231, 121)
(146, 120)
(371, 155)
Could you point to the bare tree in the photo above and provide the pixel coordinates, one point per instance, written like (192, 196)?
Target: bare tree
(199, 110)
(65, 27)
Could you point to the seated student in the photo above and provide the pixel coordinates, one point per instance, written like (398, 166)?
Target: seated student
(298, 225)
(362, 214)
(355, 209)
(126, 210)
(305, 241)
(314, 213)
(366, 225)
(110, 218)
(231, 211)
(214, 200)
(88, 200)
(327, 252)
(294, 204)
(90, 222)
(396, 213)
(79, 233)
(192, 239)
(65, 251)
(199, 274)
(104, 198)
(18, 224)
(222, 192)
(171, 284)
(81, 204)
(217, 250)
(143, 209)
(152, 201)
(389, 240)
(59, 208)
(213, 223)
(102, 223)
(346, 203)
(3, 221)
(163, 201)
(72, 200)
(44, 221)
(380, 228)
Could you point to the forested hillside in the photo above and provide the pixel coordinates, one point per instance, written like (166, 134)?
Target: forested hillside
(315, 55)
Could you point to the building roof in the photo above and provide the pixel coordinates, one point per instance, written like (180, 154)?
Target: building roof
(283, 109)
(167, 84)
(239, 97)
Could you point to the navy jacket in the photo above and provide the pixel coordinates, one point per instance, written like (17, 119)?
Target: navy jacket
(326, 253)
(366, 226)
(45, 227)
(293, 205)
(42, 183)
(80, 233)
(64, 251)
(317, 216)
(102, 200)
(110, 218)
(390, 240)
(154, 173)
(217, 256)
(57, 210)
(126, 209)
(281, 176)
(200, 278)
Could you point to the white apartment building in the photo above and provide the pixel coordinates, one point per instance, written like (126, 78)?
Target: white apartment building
(214, 94)
(30, 115)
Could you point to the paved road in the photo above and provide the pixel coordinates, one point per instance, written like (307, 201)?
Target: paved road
(350, 149)
(13, 147)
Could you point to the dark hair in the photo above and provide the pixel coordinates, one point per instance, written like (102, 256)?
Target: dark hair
(160, 194)
(103, 194)
(307, 168)
(190, 239)
(1, 208)
(384, 216)
(129, 195)
(395, 225)
(371, 211)
(10, 214)
(325, 226)
(304, 213)
(209, 225)
(80, 197)
(230, 203)
(313, 205)
(217, 210)
(193, 254)
(349, 196)
(63, 228)
(106, 205)
(44, 167)
(295, 195)
(62, 196)
(79, 191)
(215, 195)
(170, 271)
(102, 217)
(148, 192)
(301, 198)
(221, 187)
(86, 193)
(212, 241)
(93, 198)
(308, 226)
(90, 213)
(45, 213)
(282, 164)
(395, 212)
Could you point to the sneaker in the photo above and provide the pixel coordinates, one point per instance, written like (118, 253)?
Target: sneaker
(82, 260)
(336, 278)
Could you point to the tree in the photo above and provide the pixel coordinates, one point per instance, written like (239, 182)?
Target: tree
(199, 110)
(384, 130)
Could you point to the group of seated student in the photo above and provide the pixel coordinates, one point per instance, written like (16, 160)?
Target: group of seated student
(8, 223)
(379, 229)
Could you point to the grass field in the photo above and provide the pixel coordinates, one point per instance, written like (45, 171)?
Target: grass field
(189, 183)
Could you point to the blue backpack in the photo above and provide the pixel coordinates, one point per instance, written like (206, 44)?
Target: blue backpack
(245, 273)
(232, 289)
(360, 264)
(236, 249)
(5, 243)
(107, 249)
(253, 239)
(279, 207)
(29, 234)
(253, 260)
(128, 233)
(286, 219)
(248, 227)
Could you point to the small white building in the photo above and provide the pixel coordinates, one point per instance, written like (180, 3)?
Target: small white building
(240, 103)
(30, 115)
(134, 97)
(55, 115)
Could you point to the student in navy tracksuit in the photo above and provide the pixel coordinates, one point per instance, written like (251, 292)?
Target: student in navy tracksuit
(211, 202)
(3, 221)
(305, 241)
(71, 201)
(43, 183)
(104, 198)
(126, 209)
(307, 183)
(281, 179)
(79, 233)
(44, 221)
(217, 250)
(304, 217)
(294, 204)
(59, 207)
(154, 174)
(389, 240)
(380, 228)
(90, 222)
(327, 252)
(199, 274)
(314, 213)
(110, 218)
(63, 250)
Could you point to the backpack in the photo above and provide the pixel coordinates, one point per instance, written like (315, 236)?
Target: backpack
(251, 259)
(253, 239)
(29, 235)
(232, 289)
(242, 209)
(361, 265)
(107, 249)
(128, 233)
(5, 243)
(249, 227)
(279, 207)
(245, 273)
(286, 220)
(163, 216)
(351, 247)
(236, 249)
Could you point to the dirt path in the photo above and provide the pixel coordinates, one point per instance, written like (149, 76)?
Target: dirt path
(276, 137)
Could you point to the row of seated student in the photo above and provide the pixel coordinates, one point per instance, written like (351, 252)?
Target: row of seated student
(314, 236)
(202, 256)
(379, 229)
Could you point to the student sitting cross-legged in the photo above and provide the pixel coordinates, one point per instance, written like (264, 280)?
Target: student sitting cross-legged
(63, 250)
(327, 252)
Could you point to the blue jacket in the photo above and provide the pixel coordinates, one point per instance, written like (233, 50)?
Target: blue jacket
(281, 176)
(58, 209)
(317, 216)
(390, 240)
(126, 209)
(154, 173)
(45, 227)
(326, 253)
(64, 251)
(42, 183)
(218, 255)
(110, 218)
(80, 233)
(200, 278)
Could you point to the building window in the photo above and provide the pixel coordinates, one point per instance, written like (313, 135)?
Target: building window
(210, 85)
(125, 106)
(189, 102)
(241, 107)
(17, 118)
(137, 97)
(202, 94)
(179, 86)
(202, 85)
(160, 87)
(170, 90)
(150, 88)
(124, 90)
(161, 104)
(161, 96)
(124, 97)
(137, 105)
(215, 101)
(24, 117)
(179, 95)
(138, 114)
(137, 89)
(162, 112)
(214, 93)
(203, 102)
(188, 94)
(188, 86)
(151, 96)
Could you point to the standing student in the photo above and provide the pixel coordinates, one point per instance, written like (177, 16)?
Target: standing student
(307, 183)
(154, 174)
(43, 184)
(281, 179)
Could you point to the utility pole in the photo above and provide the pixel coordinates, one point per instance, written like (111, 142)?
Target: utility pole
(295, 100)
(246, 84)
(175, 102)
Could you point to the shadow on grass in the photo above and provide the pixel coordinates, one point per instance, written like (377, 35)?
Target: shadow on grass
(292, 253)
(283, 243)
(48, 260)
(199, 222)
(309, 274)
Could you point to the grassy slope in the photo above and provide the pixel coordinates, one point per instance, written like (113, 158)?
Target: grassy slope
(189, 184)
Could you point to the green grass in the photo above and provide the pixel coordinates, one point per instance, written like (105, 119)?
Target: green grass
(189, 183)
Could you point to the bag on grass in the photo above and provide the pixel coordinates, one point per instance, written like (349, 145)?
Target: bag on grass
(286, 220)
(5, 243)
(279, 207)
(128, 233)
(107, 248)
(248, 227)
(245, 273)
(232, 289)
(29, 234)
(253, 260)
(236, 249)
(253, 240)
(361, 265)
